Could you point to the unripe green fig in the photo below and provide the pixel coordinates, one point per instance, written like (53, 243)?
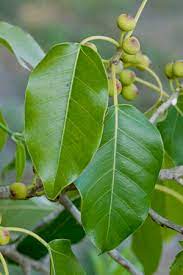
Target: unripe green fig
(4, 236)
(91, 45)
(128, 58)
(126, 22)
(131, 45)
(169, 70)
(130, 92)
(18, 190)
(178, 68)
(118, 67)
(111, 88)
(143, 60)
(127, 77)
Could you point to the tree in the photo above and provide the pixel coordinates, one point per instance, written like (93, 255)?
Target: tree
(110, 161)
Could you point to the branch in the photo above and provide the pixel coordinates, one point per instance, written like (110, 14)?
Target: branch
(164, 222)
(172, 174)
(114, 254)
(175, 173)
(5, 192)
(171, 101)
(25, 262)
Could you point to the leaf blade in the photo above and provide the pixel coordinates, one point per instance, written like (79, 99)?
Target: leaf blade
(13, 211)
(76, 102)
(64, 259)
(171, 130)
(63, 226)
(177, 266)
(25, 48)
(20, 160)
(136, 168)
(3, 134)
(147, 245)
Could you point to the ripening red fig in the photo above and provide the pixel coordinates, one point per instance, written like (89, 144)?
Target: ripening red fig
(111, 88)
(4, 236)
(131, 45)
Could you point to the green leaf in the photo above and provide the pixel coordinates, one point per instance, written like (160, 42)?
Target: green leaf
(3, 134)
(10, 166)
(177, 266)
(147, 245)
(23, 214)
(66, 100)
(63, 226)
(116, 188)
(172, 207)
(64, 260)
(171, 130)
(25, 48)
(148, 239)
(20, 160)
(17, 270)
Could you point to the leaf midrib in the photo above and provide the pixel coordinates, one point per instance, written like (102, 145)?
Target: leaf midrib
(114, 167)
(67, 111)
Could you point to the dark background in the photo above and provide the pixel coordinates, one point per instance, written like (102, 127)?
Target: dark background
(55, 21)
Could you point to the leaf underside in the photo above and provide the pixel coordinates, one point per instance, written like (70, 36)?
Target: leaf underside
(171, 130)
(177, 266)
(64, 260)
(63, 226)
(20, 160)
(25, 48)
(147, 245)
(66, 100)
(116, 187)
(3, 135)
(31, 211)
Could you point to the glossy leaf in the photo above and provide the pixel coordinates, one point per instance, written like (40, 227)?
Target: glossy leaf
(64, 260)
(177, 266)
(171, 130)
(147, 245)
(20, 160)
(66, 100)
(116, 188)
(25, 48)
(63, 226)
(3, 135)
(23, 214)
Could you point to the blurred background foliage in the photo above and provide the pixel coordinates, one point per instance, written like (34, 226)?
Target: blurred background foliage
(56, 21)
